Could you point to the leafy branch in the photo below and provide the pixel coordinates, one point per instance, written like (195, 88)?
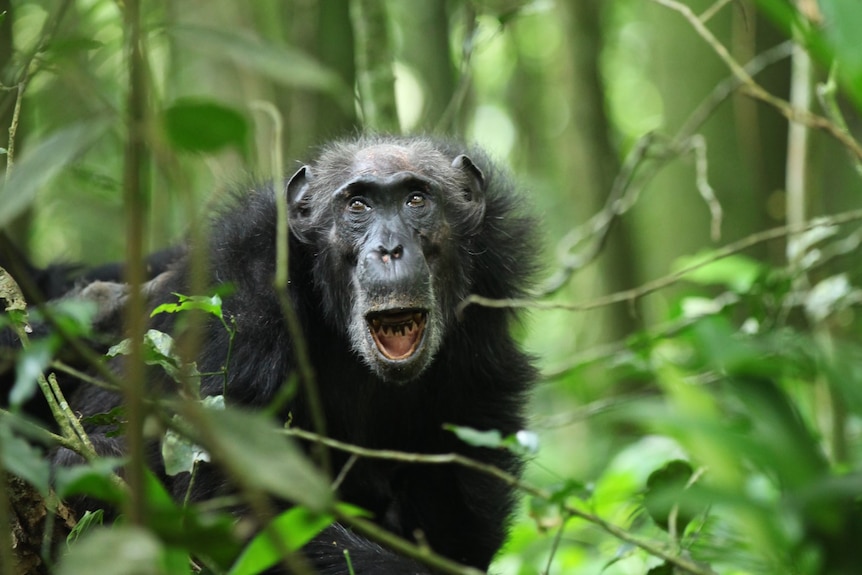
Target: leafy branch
(758, 92)
(620, 533)
(672, 278)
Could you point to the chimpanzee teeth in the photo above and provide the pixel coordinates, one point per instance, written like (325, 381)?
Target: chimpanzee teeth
(401, 328)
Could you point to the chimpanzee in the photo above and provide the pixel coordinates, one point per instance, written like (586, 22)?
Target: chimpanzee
(387, 236)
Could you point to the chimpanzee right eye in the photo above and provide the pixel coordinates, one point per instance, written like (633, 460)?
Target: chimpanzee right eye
(358, 205)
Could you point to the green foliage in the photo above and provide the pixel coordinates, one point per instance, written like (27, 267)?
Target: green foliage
(158, 350)
(723, 430)
(664, 488)
(74, 318)
(92, 479)
(293, 529)
(86, 522)
(280, 466)
(22, 459)
(117, 550)
(43, 163)
(203, 126)
(835, 42)
(281, 63)
(523, 442)
(179, 453)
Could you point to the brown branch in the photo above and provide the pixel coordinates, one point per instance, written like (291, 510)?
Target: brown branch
(707, 14)
(135, 190)
(755, 90)
(27, 71)
(453, 458)
(670, 279)
(641, 165)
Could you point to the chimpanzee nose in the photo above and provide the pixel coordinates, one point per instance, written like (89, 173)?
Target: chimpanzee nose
(390, 254)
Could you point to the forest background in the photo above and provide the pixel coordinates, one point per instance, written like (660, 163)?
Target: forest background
(698, 182)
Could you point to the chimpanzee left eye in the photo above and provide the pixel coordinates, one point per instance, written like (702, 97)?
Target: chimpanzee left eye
(416, 200)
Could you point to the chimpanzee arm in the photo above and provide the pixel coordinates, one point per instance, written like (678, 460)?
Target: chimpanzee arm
(327, 551)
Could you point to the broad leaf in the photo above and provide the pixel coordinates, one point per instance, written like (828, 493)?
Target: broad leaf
(42, 163)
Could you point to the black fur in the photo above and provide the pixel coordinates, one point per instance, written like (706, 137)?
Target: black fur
(474, 238)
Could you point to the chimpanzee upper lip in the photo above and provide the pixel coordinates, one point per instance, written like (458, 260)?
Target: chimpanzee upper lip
(397, 332)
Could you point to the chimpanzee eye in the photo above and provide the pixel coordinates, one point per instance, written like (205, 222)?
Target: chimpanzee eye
(358, 205)
(416, 200)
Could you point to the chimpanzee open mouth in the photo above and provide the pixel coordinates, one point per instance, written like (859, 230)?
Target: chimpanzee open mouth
(397, 333)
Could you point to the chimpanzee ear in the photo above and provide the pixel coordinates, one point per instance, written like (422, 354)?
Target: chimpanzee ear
(297, 203)
(475, 187)
(474, 175)
(297, 186)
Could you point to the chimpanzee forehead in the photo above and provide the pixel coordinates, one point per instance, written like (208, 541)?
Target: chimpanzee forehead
(388, 159)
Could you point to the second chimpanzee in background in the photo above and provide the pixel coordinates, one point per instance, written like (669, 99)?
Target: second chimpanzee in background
(387, 236)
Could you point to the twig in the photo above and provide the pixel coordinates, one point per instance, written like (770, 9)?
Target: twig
(755, 90)
(135, 189)
(698, 145)
(713, 10)
(403, 547)
(27, 71)
(73, 433)
(796, 165)
(670, 279)
(307, 375)
(509, 479)
(627, 187)
(826, 94)
(555, 545)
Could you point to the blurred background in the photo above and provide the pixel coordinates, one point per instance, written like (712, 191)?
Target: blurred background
(714, 415)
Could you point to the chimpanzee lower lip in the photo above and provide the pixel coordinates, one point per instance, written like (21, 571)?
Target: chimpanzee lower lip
(397, 333)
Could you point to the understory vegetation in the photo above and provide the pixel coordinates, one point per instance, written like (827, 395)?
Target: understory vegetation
(696, 167)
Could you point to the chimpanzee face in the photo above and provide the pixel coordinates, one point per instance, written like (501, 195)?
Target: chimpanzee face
(387, 227)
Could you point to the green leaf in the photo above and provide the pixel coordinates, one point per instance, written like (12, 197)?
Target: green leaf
(663, 569)
(523, 442)
(209, 304)
(158, 350)
(569, 488)
(843, 23)
(90, 520)
(23, 460)
(294, 528)
(210, 535)
(42, 163)
(116, 417)
(202, 126)
(93, 479)
(280, 63)
(31, 364)
(737, 272)
(180, 454)
(271, 461)
(75, 316)
(118, 550)
(491, 438)
(664, 489)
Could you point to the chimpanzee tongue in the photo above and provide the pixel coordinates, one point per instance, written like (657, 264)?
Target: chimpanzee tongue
(397, 346)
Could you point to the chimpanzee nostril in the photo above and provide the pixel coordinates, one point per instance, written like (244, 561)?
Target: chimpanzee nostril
(394, 254)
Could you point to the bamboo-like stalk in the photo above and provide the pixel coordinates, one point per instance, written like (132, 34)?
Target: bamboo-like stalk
(374, 73)
(135, 187)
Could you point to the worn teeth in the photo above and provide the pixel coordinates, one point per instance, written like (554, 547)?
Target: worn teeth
(397, 334)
